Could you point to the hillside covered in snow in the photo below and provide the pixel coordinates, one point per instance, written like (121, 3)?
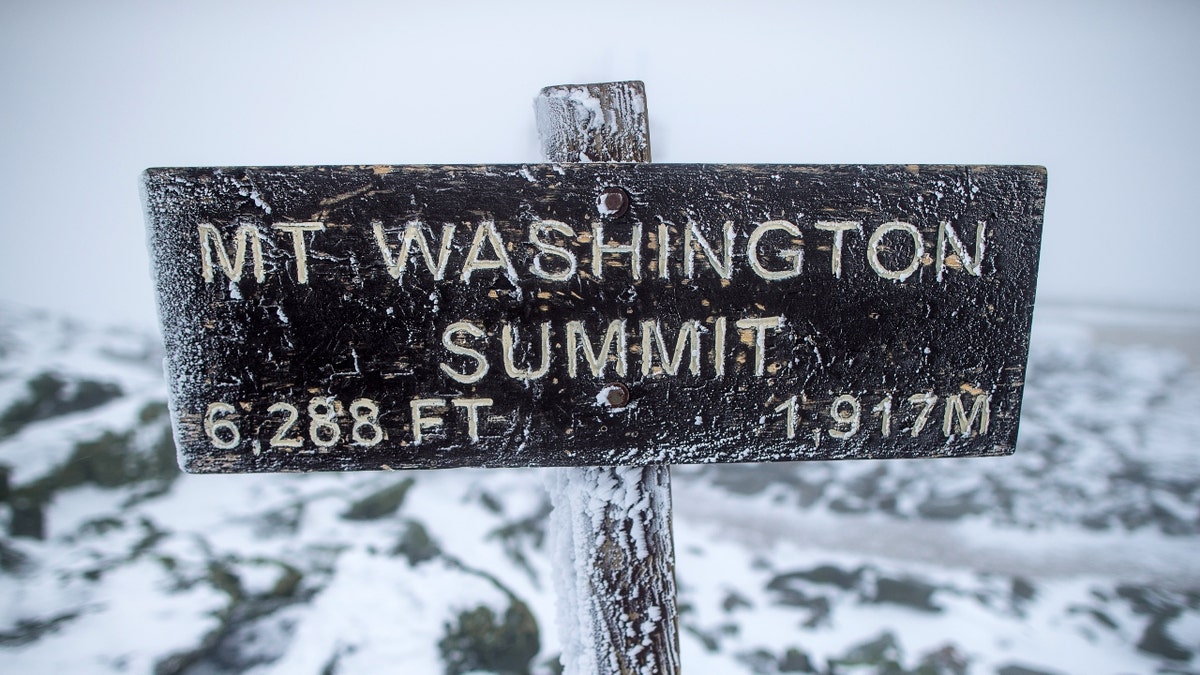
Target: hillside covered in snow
(1078, 554)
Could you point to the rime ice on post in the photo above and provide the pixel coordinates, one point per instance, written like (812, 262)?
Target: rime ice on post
(611, 527)
(614, 569)
(604, 122)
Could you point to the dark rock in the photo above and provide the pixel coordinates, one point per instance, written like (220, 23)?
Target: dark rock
(1004, 497)
(1157, 641)
(834, 576)
(849, 505)
(28, 519)
(906, 592)
(944, 661)
(153, 412)
(745, 479)
(288, 582)
(109, 460)
(553, 665)
(734, 600)
(1023, 589)
(1149, 601)
(247, 641)
(759, 661)
(951, 507)
(416, 545)
(51, 395)
(787, 594)
(808, 493)
(882, 654)
(100, 526)
(873, 651)
(709, 640)
(282, 522)
(519, 536)
(12, 560)
(478, 642)
(1022, 593)
(788, 590)
(490, 502)
(253, 631)
(224, 579)
(1099, 616)
(179, 663)
(753, 479)
(380, 504)
(1022, 670)
(1155, 515)
(151, 535)
(796, 661)
(867, 485)
(30, 630)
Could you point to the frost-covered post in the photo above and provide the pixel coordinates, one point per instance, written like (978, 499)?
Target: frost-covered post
(611, 527)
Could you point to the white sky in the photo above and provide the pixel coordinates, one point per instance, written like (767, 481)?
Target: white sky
(1106, 95)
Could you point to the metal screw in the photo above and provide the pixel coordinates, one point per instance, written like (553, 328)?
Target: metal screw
(613, 202)
(617, 395)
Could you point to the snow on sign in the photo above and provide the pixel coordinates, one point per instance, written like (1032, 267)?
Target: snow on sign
(365, 317)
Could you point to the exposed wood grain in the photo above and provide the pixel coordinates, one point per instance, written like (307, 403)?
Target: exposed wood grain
(604, 122)
(624, 600)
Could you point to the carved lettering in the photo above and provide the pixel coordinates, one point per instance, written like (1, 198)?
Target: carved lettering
(245, 236)
(448, 341)
(877, 240)
(568, 267)
(577, 337)
(486, 231)
(508, 340)
(693, 239)
(972, 263)
(955, 412)
(297, 231)
(760, 328)
(414, 234)
(686, 342)
(838, 228)
(472, 406)
(795, 256)
(633, 249)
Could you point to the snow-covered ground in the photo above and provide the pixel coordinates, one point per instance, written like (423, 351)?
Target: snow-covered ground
(1079, 554)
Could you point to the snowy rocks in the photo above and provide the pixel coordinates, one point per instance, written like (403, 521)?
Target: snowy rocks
(479, 640)
(139, 569)
(905, 591)
(51, 395)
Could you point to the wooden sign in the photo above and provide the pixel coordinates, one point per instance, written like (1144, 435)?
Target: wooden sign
(348, 318)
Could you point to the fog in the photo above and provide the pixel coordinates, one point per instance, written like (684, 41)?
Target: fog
(1105, 95)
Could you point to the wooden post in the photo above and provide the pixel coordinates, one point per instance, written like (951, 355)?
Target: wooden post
(615, 555)
(594, 122)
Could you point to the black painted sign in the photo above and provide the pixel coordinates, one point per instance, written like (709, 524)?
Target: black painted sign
(366, 317)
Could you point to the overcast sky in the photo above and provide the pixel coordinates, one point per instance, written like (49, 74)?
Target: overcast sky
(1105, 95)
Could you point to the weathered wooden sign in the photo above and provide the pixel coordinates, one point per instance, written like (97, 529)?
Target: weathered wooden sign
(365, 317)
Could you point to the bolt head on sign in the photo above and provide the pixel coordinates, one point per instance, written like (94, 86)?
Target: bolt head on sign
(613, 202)
(367, 317)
